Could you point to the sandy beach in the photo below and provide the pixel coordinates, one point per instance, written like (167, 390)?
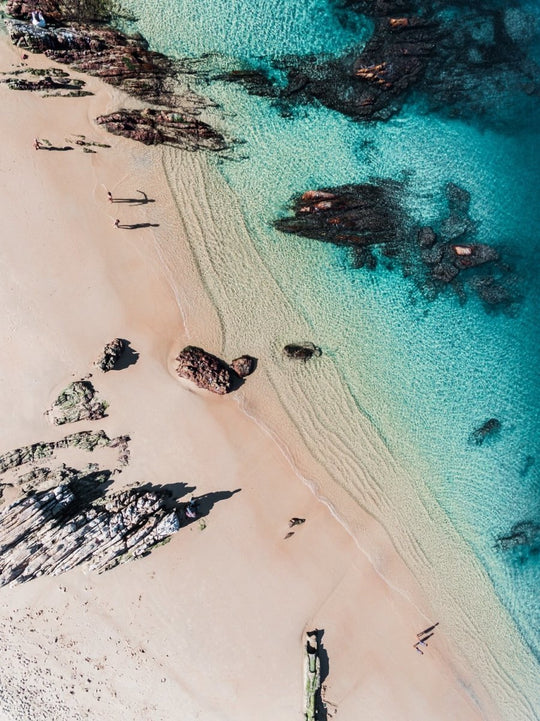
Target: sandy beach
(211, 625)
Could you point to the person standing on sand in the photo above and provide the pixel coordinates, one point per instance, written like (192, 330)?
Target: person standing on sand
(109, 196)
(37, 144)
(117, 223)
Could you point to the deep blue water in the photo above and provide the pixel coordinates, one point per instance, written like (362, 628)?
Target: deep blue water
(428, 371)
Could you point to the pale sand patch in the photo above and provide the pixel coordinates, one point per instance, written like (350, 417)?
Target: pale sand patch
(209, 626)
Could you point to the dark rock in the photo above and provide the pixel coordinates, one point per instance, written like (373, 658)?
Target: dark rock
(244, 365)
(77, 402)
(111, 355)
(152, 127)
(48, 84)
(426, 237)
(433, 255)
(205, 370)
(50, 532)
(488, 429)
(444, 272)
(356, 215)
(301, 351)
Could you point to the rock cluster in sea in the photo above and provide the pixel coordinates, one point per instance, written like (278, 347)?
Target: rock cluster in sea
(372, 221)
(210, 372)
(462, 64)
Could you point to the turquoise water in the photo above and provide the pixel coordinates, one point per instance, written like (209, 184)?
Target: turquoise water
(427, 372)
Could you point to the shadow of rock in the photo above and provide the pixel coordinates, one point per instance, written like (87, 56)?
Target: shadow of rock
(128, 358)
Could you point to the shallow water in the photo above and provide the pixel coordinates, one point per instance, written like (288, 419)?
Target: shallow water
(425, 372)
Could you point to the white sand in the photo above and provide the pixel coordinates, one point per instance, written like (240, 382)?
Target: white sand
(211, 625)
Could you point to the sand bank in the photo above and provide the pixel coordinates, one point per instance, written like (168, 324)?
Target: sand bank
(209, 626)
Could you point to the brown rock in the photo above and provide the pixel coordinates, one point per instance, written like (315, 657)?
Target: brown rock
(205, 370)
(244, 365)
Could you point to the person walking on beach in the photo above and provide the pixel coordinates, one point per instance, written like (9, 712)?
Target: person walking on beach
(37, 144)
(109, 196)
(117, 223)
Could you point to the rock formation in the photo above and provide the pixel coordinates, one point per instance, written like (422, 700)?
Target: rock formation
(77, 402)
(205, 370)
(244, 365)
(123, 61)
(468, 68)
(354, 215)
(50, 81)
(111, 355)
(50, 532)
(84, 440)
(371, 220)
(153, 127)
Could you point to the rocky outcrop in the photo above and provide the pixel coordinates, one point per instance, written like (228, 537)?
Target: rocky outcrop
(153, 127)
(41, 478)
(50, 532)
(467, 65)
(84, 440)
(50, 81)
(111, 355)
(125, 62)
(205, 370)
(371, 220)
(77, 402)
(353, 215)
(244, 365)
(301, 351)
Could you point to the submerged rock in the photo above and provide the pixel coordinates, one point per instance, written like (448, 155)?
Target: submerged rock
(301, 351)
(111, 355)
(77, 402)
(488, 429)
(523, 537)
(50, 532)
(205, 370)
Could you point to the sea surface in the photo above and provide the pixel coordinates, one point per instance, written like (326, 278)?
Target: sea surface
(427, 371)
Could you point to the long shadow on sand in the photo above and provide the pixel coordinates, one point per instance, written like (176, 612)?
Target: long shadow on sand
(135, 226)
(205, 503)
(143, 200)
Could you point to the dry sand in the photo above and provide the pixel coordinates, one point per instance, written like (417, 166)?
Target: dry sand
(211, 625)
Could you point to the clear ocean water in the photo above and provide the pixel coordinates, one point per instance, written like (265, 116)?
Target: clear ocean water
(428, 372)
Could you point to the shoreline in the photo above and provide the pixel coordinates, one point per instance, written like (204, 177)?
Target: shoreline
(229, 421)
